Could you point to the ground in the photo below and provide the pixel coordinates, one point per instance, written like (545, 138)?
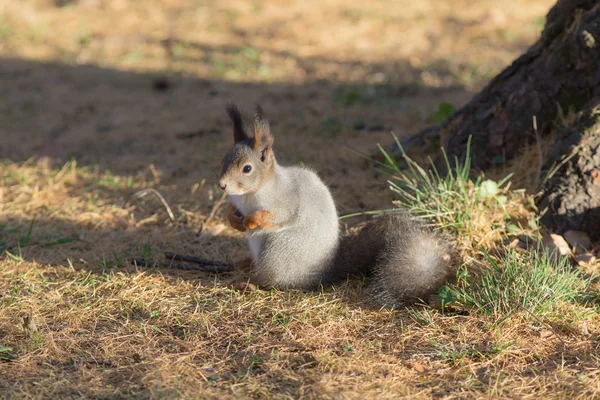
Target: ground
(103, 99)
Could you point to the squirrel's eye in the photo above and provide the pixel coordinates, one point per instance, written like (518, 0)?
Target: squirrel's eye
(247, 169)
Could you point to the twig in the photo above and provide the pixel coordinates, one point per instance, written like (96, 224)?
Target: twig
(223, 267)
(214, 210)
(97, 363)
(196, 260)
(155, 192)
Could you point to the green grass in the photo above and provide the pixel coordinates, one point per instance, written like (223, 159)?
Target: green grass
(533, 282)
(482, 214)
(444, 111)
(461, 204)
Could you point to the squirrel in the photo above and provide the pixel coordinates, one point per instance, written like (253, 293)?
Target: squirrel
(292, 227)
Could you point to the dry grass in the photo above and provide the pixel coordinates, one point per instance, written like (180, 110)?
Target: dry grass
(77, 83)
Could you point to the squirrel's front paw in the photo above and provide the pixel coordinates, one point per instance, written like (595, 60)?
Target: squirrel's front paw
(261, 219)
(235, 218)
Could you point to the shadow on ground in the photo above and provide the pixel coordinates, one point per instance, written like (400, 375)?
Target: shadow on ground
(123, 121)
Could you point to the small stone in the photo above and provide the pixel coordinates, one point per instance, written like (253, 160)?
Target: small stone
(579, 240)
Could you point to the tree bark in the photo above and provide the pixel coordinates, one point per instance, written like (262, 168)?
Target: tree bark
(557, 79)
(557, 75)
(571, 197)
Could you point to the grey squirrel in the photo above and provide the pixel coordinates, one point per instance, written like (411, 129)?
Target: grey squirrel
(293, 231)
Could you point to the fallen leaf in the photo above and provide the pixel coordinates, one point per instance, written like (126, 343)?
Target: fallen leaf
(556, 245)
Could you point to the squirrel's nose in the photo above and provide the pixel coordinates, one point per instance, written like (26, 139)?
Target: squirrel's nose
(222, 185)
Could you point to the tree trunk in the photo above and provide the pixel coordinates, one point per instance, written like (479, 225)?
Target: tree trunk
(557, 75)
(556, 78)
(571, 197)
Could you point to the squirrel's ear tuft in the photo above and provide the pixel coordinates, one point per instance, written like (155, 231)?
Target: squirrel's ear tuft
(239, 133)
(262, 131)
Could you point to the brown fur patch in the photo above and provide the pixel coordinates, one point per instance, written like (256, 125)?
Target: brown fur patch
(235, 218)
(257, 142)
(261, 139)
(260, 219)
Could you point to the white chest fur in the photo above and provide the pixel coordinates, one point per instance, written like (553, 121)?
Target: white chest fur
(255, 242)
(247, 205)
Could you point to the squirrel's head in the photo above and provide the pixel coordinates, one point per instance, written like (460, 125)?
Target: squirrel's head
(251, 161)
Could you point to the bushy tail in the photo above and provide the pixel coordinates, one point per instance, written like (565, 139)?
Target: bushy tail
(405, 261)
